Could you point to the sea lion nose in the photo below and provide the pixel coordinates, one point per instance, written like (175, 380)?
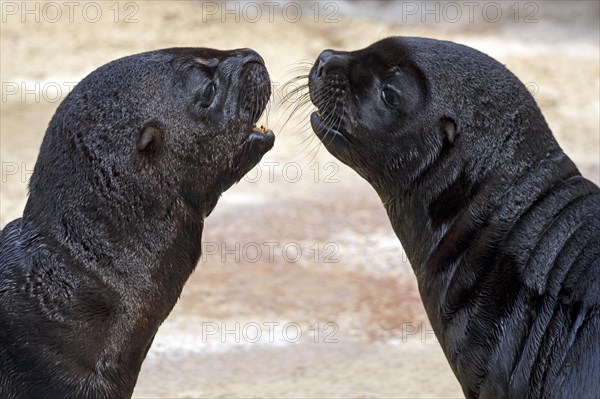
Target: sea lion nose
(323, 57)
(329, 61)
(250, 55)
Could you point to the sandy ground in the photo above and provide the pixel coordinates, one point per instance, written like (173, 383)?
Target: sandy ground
(333, 310)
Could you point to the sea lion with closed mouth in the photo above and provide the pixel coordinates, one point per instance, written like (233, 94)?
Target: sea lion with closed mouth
(134, 159)
(501, 229)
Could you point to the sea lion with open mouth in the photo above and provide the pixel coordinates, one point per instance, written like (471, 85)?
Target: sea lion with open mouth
(134, 159)
(501, 229)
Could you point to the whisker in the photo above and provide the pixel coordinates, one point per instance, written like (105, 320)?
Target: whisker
(295, 101)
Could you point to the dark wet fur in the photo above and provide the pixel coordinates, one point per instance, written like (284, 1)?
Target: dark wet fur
(112, 227)
(501, 229)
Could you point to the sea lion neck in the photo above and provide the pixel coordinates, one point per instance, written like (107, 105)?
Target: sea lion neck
(115, 300)
(436, 216)
(101, 235)
(494, 215)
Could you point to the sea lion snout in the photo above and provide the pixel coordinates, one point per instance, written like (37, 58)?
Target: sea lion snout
(323, 57)
(255, 89)
(329, 87)
(330, 62)
(248, 55)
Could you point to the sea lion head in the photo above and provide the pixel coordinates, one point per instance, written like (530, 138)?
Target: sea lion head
(152, 132)
(395, 108)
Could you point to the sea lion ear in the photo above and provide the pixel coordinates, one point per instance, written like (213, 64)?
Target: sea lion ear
(150, 139)
(448, 129)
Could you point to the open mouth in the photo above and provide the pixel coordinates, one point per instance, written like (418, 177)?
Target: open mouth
(260, 133)
(257, 141)
(326, 131)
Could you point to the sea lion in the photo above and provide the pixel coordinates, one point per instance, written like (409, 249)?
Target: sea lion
(501, 229)
(133, 160)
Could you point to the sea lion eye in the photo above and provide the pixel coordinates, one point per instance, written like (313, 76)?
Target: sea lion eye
(391, 96)
(206, 96)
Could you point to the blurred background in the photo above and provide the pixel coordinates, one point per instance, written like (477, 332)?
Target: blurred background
(303, 289)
